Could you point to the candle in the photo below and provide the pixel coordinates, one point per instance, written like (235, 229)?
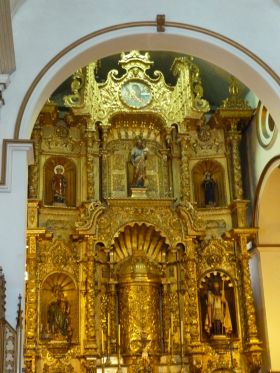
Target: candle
(119, 334)
(182, 333)
(108, 326)
(102, 342)
(171, 326)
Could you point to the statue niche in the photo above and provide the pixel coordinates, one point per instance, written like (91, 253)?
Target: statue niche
(59, 182)
(136, 157)
(209, 184)
(58, 309)
(217, 306)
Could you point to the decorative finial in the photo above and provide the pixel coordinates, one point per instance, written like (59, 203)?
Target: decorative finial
(19, 313)
(234, 101)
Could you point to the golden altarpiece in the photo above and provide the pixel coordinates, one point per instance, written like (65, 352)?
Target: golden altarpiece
(137, 232)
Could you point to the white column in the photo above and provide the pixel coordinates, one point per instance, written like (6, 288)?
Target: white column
(13, 203)
(265, 271)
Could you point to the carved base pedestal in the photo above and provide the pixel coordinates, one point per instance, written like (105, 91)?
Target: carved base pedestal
(138, 193)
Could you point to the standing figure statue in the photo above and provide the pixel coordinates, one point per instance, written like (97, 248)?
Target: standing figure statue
(138, 160)
(218, 320)
(59, 185)
(209, 186)
(58, 316)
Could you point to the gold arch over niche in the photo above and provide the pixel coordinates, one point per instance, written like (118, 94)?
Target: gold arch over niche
(139, 237)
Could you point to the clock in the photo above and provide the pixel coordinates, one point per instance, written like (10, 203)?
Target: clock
(136, 94)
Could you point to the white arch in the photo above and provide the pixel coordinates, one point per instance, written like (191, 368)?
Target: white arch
(174, 39)
(262, 208)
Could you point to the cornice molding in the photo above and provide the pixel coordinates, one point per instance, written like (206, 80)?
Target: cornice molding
(8, 147)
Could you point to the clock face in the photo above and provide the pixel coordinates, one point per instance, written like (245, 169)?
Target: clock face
(136, 94)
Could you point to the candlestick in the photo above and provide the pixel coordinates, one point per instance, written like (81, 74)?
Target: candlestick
(108, 326)
(171, 324)
(169, 340)
(102, 342)
(119, 335)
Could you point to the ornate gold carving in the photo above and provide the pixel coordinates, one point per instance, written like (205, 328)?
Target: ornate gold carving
(90, 297)
(139, 237)
(32, 214)
(137, 262)
(140, 321)
(204, 173)
(206, 141)
(58, 366)
(33, 175)
(186, 98)
(234, 138)
(76, 86)
(185, 171)
(31, 292)
(217, 253)
(234, 101)
(253, 344)
(90, 165)
(58, 255)
(191, 296)
(89, 212)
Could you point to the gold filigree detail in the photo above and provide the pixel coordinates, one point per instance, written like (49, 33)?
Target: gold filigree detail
(234, 101)
(173, 104)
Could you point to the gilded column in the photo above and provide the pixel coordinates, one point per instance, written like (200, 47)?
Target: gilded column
(113, 319)
(253, 348)
(90, 297)
(185, 174)
(165, 174)
(166, 320)
(191, 314)
(31, 321)
(104, 165)
(250, 315)
(90, 164)
(234, 138)
(33, 176)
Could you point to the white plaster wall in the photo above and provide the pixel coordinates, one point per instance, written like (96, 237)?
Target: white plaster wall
(270, 276)
(257, 285)
(258, 155)
(12, 227)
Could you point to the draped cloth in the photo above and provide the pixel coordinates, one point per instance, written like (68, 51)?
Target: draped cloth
(218, 320)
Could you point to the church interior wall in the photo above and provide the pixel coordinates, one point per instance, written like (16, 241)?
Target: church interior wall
(30, 64)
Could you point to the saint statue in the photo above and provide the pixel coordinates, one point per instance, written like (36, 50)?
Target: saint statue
(145, 366)
(209, 186)
(58, 316)
(59, 185)
(218, 320)
(138, 160)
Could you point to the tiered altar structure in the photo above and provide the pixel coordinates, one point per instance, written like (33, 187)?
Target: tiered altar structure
(137, 234)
